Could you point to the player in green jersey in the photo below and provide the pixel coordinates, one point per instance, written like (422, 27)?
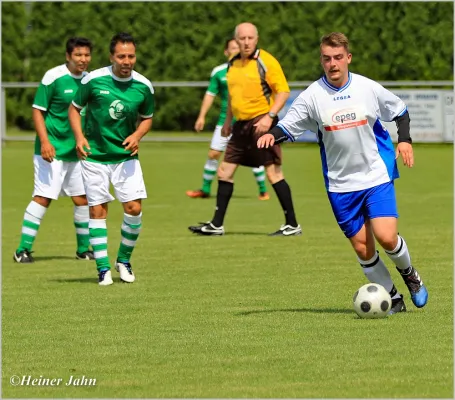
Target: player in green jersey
(57, 168)
(218, 86)
(116, 97)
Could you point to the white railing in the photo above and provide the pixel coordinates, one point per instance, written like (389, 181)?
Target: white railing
(295, 84)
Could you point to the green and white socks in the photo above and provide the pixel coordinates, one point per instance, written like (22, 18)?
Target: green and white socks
(259, 174)
(210, 168)
(34, 213)
(81, 219)
(98, 241)
(130, 230)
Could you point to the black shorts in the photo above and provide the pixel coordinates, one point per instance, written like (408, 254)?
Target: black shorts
(242, 147)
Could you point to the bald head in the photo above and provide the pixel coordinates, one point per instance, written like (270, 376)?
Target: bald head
(246, 35)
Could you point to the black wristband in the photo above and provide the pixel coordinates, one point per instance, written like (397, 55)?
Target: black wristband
(278, 134)
(404, 128)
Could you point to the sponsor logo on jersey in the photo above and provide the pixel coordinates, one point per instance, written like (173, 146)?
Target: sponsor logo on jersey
(118, 110)
(336, 98)
(68, 91)
(345, 119)
(104, 91)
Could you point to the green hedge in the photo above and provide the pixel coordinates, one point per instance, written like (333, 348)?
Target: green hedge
(184, 41)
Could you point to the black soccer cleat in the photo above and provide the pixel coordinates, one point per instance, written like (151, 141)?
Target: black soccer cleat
(397, 305)
(287, 230)
(23, 257)
(86, 255)
(207, 229)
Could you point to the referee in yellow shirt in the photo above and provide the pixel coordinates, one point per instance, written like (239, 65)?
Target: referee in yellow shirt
(258, 90)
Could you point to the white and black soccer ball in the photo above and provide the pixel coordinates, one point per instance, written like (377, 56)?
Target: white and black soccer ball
(372, 301)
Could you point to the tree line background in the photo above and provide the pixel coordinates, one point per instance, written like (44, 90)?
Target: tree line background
(184, 41)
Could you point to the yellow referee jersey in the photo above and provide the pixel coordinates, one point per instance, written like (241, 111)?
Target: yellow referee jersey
(253, 83)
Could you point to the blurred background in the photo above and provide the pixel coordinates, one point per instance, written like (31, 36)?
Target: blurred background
(180, 43)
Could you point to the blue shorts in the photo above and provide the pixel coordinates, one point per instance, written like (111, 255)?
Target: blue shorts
(352, 208)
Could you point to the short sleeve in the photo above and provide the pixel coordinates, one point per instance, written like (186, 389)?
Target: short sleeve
(214, 85)
(275, 76)
(44, 95)
(147, 108)
(83, 93)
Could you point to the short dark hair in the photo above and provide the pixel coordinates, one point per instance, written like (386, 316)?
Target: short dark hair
(226, 44)
(74, 42)
(121, 37)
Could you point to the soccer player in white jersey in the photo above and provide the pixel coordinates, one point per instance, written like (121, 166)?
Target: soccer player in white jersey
(116, 98)
(57, 168)
(218, 86)
(358, 161)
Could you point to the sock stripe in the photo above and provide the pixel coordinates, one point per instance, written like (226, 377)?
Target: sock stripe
(31, 219)
(98, 240)
(29, 231)
(128, 243)
(31, 225)
(100, 254)
(371, 264)
(128, 229)
(399, 249)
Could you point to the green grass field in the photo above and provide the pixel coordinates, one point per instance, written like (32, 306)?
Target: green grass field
(244, 315)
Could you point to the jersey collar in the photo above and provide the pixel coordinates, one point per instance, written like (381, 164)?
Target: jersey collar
(73, 75)
(336, 89)
(115, 77)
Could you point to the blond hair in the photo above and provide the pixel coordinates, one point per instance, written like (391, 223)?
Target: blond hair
(335, 39)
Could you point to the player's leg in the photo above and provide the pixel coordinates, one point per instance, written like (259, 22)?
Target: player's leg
(382, 210)
(349, 212)
(226, 173)
(96, 183)
(283, 192)
(47, 186)
(217, 146)
(73, 186)
(129, 187)
(259, 175)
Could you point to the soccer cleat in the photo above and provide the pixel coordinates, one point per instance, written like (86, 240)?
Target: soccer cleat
(197, 194)
(126, 271)
(105, 278)
(23, 257)
(287, 230)
(397, 305)
(86, 255)
(264, 196)
(207, 228)
(417, 289)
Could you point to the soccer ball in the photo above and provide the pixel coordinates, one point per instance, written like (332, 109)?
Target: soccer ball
(372, 301)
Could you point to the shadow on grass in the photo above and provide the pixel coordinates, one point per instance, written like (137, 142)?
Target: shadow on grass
(91, 280)
(299, 310)
(49, 258)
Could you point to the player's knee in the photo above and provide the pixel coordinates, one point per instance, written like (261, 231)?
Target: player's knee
(388, 242)
(42, 201)
(274, 175)
(224, 174)
(214, 154)
(132, 208)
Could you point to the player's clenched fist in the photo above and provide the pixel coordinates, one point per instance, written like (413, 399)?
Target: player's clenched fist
(266, 141)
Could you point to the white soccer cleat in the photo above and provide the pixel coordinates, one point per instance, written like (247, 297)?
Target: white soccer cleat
(105, 278)
(126, 271)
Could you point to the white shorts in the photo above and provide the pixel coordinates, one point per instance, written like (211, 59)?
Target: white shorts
(58, 178)
(219, 143)
(126, 178)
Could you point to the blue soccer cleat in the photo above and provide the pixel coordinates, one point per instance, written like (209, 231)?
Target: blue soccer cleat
(418, 291)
